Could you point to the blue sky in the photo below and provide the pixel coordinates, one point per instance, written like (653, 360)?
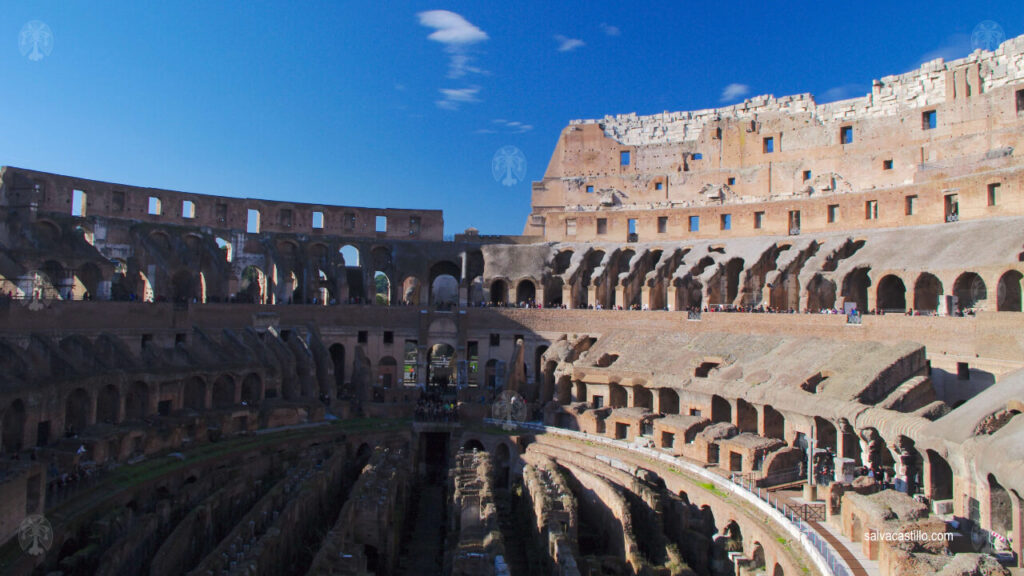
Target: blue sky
(403, 104)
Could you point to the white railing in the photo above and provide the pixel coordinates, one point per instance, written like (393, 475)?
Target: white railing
(821, 553)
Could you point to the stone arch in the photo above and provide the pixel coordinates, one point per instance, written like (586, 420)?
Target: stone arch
(1009, 292)
(581, 391)
(724, 287)
(252, 389)
(969, 290)
(855, 288)
(108, 405)
(757, 561)
(444, 283)
(891, 295)
(184, 286)
(940, 476)
(411, 290)
(77, 411)
(778, 571)
(253, 286)
(349, 256)
(746, 416)
(774, 423)
(821, 294)
(499, 291)
(643, 398)
(563, 390)
(224, 391)
(473, 444)
(825, 434)
(689, 293)
(87, 281)
(616, 395)
(526, 291)
(194, 394)
(225, 248)
(136, 402)
(14, 427)
(381, 288)
(927, 292)
(721, 410)
(668, 401)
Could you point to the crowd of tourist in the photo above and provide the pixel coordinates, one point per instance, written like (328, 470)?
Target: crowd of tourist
(431, 406)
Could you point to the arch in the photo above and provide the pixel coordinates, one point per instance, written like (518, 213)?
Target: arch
(774, 423)
(387, 372)
(194, 396)
(689, 293)
(855, 288)
(643, 398)
(668, 401)
(1009, 292)
(969, 290)
(927, 292)
(724, 289)
(940, 476)
(144, 288)
(757, 562)
(253, 286)
(349, 256)
(50, 280)
(224, 391)
(891, 295)
(499, 291)
(136, 402)
(746, 416)
(821, 294)
(77, 409)
(616, 395)
(444, 291)
(338, 360)
(563, 390)
(226, 248)
(382, 288)
(581, 391)
(14, 427)
(526, 292)
(411, 290)
(252, 389)
(778, 571)
(87, 281)
(825, 434)
(108, 405)
(721, 410)
(473, 445)
(184, 286)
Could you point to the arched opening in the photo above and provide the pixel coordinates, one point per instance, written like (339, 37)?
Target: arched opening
(757, 559)
(927, 291)
(821, 294)
(253, 286)
(442, 360)
(411, 291)
(87, 281)
(785, 292)
(778, 571)
(473, 445)
(774, 423)
(581, 391)
(387, 372)
(825, 434)
(668, 401)
(969, 290)
(892, 294)
(194, 397)
(382, 288)
(643, 398)
(224, 392)
(725, 287)
(616, 395)
(721, 411)
(563, 390)
(940, 476)
(184, 287)
(499, 292)
(144, 288)
(252, 390)
(14, 427)
(444, 291)
(526, 292)
(76, 411)
(689, 293)
(855, 288)
(108, 405)
(746, 416)
(338, 360)
(349, 256)
(225, 248)
(136, 403)
(1009, 292)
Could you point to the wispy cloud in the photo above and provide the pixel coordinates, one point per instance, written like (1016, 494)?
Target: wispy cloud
(734, 91)
(566, 44)
(610, 30)
(458, 35)
(500, 125)
(453, 98)
(842, 93)
(955, 46)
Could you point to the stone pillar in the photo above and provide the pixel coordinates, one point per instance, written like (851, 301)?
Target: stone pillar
(1017, 520)
(620, 296)
(592, 295)
(645, 296)
(567, 296)
(421, 366)
(539, 297)
(670, 297)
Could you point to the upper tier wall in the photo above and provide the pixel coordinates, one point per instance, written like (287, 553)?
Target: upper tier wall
(53, 193)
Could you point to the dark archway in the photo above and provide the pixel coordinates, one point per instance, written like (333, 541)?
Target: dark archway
(821, 294)
(526, 292)
(940, 476)
(892, 294)
(746, 416)
(774, 423)
(721, 411)
(194, 397)
(252, 390)
(668, 401)
(927, 292)
(969, 290)
(136, 403)
(855, 288)
(499, 292)
(1009, 292)
(224, 392)
(108, 405)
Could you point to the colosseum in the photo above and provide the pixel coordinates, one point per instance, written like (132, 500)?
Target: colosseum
(776, 338)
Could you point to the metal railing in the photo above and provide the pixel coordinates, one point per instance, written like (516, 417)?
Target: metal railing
(820, 551)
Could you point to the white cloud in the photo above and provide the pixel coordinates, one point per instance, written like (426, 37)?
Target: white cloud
(453, 98)
(955, 46)
(610, 30)
(506, 127)
(843, 92)
(734, 91)
(566, 44)
(458, 35)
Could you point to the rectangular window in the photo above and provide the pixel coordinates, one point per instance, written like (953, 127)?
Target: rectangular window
(389, 337)
(659, 185)
(154, 206)
(349, 222)
(414, 225)
(117, 201)
(624, 158)
(698, 156)
(833, 213)
(570, 226)
(952, 207)
(252, 225)
(188, 209)
(758, 220)
(886, 164)
(871, 210)
(495, 339)
(590, 188)
(807, 175)
(1020, 101)
(910, 203)
(362, 336)
(993, 193)
(846, 135)
(222, 213)
(726, 222)
(694, 223)
(929, 120)
(78, 201)
(598, 401)
(731, 181)
(794, 222)
(631, 224)
(769, 145)
(284, 218)
(602, 225)
(382, 224)
(662, 224)
(318, 220)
